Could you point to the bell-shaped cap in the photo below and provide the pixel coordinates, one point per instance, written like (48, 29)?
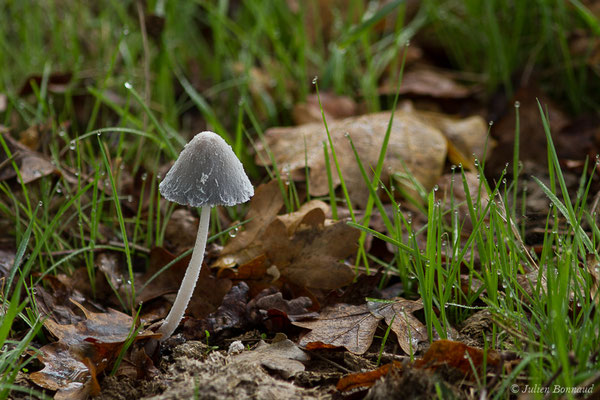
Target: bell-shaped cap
(207, 173)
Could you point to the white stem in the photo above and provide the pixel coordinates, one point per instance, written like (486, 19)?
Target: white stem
(189, 280)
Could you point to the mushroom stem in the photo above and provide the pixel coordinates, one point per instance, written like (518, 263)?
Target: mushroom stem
(189, 280)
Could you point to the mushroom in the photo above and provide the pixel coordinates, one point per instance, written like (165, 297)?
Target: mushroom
(207, 173)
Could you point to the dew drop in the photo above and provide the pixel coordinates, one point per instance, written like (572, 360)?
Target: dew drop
(62, 133)
(144, 176)
(130, 199)
(128, 85)
(40, 203)
(517, 104)
(233, 233)
(72, 145)
(491, 123)
(315, 79)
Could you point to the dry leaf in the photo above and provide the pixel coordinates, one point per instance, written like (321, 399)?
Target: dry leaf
(365, 379)
(341, 325)
(421, 147)
(181, 230)
(231, 314)
(282, 356)
(458, 356)
(334, 107)
(411, 333)
(83, 350)
(264, 206)
(467, 137)
(208, 293)
(311, 256)
(32, 165)
(428, 82)
(302, 248)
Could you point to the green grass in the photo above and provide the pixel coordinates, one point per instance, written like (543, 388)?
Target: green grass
(134, 100)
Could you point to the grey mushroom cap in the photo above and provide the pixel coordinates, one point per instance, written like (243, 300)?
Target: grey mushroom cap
(207, 173)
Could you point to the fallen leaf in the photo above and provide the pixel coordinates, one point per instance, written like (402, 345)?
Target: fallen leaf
(283, 357)
(32, 165)
(365, 379)
(353, 326)
(334, 107)
(411, 333)
(428, 82)
(181, 229)
(458, 356)
(208, 293)
(302, 248)
(363, 286)
(311, 256)
(83, 350)
(341, 325)
(276, 313)
(264, 206)
(421, 147)
(467, 137)
(231, 314)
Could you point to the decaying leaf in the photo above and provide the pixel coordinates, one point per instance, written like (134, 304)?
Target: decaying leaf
(231, 314)
(341, 325)
(208, 293)
(459, 356)
(83, 350)
(467, 137)
(264, 206)
(334, 107)
(32, 165)
(302, 248)
(353, 326)
(311, 256)
(411, 333)
(295, 309)
(181, 230)
(282, 356)
(365, 379)
(428, 82)
(441, 354)
(418, 146)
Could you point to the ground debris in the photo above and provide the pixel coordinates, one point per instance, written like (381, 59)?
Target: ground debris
(197, 374)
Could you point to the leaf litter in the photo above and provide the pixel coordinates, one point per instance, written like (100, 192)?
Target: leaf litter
(282, 272)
